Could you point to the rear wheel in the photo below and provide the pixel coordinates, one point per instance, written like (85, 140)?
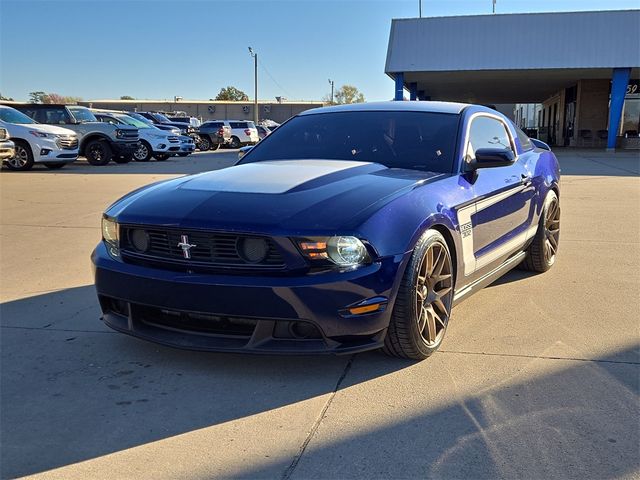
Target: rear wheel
(98, 153)
(143, 153)
(54, 166)
(204, 144)
(235, 142)
(23, 159)
(541, 254)
(423, 304)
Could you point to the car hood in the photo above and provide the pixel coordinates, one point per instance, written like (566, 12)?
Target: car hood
(301, 197)
(40, 127)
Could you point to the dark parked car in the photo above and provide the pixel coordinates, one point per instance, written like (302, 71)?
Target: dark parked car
(349, 228)
(214, 134)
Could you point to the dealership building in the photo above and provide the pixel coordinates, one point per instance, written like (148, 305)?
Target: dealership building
(582, 68)
(278, 110)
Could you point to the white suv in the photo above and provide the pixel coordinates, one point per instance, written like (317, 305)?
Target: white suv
(243, 133)
(36, 142)
(154, 142)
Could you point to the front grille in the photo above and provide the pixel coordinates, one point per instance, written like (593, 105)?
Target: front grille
(130, 135)
(198, 323)
(67, 143)
(173, 139)
(211, 250)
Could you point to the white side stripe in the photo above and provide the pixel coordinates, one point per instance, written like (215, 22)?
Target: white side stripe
(469, 261)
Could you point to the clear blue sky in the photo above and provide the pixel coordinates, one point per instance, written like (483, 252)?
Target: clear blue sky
(161, 48)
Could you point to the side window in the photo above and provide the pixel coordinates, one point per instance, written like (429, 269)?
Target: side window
(524, 140)
(487, 132)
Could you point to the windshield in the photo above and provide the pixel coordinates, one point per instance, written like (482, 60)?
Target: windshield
(160, 118)
(137, 116)
(83, 115)
(132, 121)
(11, 115)
(414, 140)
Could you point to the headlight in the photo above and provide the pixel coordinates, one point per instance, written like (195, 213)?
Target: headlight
(155, 135)
(344, 251)
(119, 133)
(110, 235)
(38, 134)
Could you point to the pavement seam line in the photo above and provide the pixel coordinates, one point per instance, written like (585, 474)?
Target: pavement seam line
(314, 428)
(56, 329)
(542, 357)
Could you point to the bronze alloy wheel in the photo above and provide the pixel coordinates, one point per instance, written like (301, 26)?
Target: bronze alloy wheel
(551, 230)
(434, 293)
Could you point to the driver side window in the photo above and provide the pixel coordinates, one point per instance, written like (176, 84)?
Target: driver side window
(487, 132)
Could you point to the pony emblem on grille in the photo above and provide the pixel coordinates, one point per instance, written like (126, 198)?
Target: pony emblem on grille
(186, 246)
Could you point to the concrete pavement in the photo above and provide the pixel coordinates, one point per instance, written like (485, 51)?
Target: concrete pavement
(538, 376)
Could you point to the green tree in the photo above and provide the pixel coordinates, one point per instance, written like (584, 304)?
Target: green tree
(233, 94)
(38, 97)
(126, 97)
(348, 94)
(2, 97)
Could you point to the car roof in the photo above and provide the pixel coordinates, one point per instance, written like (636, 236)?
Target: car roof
(393, 106)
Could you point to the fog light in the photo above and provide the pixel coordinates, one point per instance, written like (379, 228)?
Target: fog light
(140, 240)
(44, 152)
(253, 250)
(161, 146)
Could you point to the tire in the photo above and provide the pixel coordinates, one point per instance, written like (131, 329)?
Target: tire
(23, 159)
(161, 157)
(235, 142)
(54, 166)
(98, 153)
(541, 254)
(204, 144)
(423, 305)
(143, 153)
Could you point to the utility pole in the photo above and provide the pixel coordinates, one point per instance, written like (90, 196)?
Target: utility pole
(255, 84)
(420, 8)
(331, 83)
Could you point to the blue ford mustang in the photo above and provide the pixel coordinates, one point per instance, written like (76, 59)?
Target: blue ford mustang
(349, 228)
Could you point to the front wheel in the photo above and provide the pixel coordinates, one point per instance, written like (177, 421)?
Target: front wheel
(541, 254)
(143, 152)
(23, 159)
(98, 153)
(423, 304)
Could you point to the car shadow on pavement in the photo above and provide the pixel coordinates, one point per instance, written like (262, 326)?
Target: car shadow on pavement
(577, 421)
(72, 389)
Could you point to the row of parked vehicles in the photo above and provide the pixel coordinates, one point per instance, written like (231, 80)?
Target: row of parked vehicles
(54, 135)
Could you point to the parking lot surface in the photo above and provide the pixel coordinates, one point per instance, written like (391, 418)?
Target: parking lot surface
(538, 376)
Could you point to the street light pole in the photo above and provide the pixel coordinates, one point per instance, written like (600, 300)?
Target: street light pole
(494, 6)
(255, 84)
(331, 83)
(420, 7)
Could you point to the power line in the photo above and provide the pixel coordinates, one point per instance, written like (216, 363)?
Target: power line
(273, 79)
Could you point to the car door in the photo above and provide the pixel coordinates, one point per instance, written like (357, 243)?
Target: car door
(502, 195)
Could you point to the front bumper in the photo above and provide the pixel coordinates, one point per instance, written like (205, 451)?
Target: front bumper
(7, 149)
(124, 148)
(47, 150)
(258, 314)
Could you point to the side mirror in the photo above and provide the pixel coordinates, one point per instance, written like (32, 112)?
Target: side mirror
(243, 151)
(493, 157)
(540, 144)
